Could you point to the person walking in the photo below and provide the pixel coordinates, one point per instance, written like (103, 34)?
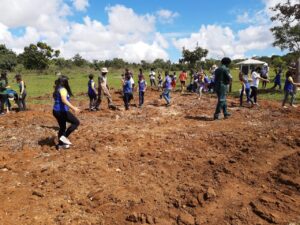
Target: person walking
(61, 111)
(142, 88)
(92, 93)
(254, 86)
(127, 90)
(222, 79)
(152, 78)
(289, 87)
(103, 90)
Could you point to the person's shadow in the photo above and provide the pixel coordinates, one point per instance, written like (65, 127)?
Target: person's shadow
(49, 141)
(199, 118)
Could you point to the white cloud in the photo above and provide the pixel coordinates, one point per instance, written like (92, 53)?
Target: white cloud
(223, 41)
(127, 35)
(81, 5)
(166, 16)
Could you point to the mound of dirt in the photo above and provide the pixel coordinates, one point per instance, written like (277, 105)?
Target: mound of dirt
(153, 165)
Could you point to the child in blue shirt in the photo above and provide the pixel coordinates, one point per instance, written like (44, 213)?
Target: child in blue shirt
(142, 88)
(92, 93)
(277, 79)
(127, 90)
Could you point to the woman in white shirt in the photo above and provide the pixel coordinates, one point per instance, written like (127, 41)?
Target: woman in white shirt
(254, 85)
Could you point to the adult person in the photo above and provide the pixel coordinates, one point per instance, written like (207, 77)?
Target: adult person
(61, 111)
(152, 78)
(265, 75)
(222, 79)
(255, 77)
(182, 78)
(103, 90)
(290, 86)
(22, 94)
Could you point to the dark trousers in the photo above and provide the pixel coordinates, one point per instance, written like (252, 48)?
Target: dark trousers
(21, 102)
(62, 118)
(93, 101)
(222, 104)
(141, 98)
(253, 94)
(286, 96)
(242, 95)
(127, 98)
(152, 83)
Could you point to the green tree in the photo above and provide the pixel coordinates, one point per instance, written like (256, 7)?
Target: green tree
(192, 57)
(38, 56)
(78, 60)
(287, 33)
(8, 59)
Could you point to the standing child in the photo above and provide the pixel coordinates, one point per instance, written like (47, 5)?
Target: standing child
(61, 111)
(127, 90)
(92, 93)
(22, 95)
(289, 87)
(245, 87)
(174, 80)
(152, 78)
(160, 81)
(182, 78)
(167, 88)
(277, 79)
(142, 89)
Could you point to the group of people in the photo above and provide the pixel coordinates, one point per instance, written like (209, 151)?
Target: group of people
(250, 85)
(219, 82)
(7, 94)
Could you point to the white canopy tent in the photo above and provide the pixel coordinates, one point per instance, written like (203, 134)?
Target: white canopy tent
(250, 63)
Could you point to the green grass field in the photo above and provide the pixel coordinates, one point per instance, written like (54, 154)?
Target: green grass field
(42, 84)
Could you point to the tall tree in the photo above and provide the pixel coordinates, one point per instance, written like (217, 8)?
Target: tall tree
(192, 57)
(38, 56)
(8, 59)
(287, 32)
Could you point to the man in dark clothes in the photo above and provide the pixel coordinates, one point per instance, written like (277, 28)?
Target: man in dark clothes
(222, 79)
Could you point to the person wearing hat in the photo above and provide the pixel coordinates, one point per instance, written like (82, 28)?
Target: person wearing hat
(222, 79)
(290, 86)
(265, 74)
(103, 89)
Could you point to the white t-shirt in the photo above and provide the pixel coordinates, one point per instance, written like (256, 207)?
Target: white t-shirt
(132, 82)
(152, 75)
(255, 79)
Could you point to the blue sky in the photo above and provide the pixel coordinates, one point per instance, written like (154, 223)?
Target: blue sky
(140, 30)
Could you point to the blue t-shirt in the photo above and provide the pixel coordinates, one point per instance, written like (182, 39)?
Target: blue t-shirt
(58, 104)
(127, 87)
(142, 85)
(91, 85)
(168, 82)
(288, 86)
(277, 79)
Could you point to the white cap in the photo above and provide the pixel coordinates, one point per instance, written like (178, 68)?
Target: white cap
(104, 70)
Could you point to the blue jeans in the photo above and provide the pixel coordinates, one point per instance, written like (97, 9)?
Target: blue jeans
(166, 95)
(141, 98)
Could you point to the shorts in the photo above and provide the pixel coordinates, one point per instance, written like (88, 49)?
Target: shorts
(182, 82)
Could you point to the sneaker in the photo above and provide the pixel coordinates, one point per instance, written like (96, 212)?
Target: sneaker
(64, 146)
(217, 117)
(65, 140)
(294, 106)
(285, 107)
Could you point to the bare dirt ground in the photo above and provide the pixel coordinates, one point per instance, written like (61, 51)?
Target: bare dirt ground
(154, 165)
